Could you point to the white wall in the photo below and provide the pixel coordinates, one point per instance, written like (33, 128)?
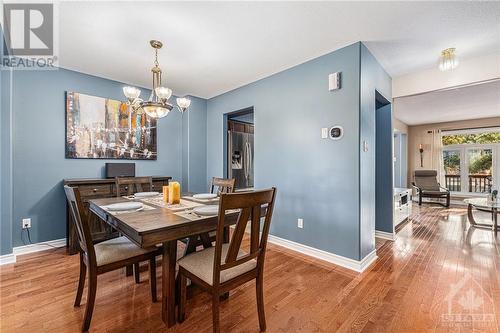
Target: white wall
(469, 70)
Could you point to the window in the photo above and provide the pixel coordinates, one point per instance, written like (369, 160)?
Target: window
(471, 160)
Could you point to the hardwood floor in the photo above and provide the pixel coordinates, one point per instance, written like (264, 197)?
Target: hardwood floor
(435, 255)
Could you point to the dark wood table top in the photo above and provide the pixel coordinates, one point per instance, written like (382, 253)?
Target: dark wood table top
(150, 227)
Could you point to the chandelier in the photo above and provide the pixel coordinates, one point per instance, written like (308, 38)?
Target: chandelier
(157, 106)
(448, 60)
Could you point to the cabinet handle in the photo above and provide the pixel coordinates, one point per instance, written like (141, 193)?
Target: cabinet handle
(95, 190)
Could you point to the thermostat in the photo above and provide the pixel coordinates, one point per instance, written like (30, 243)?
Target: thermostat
(336, 132)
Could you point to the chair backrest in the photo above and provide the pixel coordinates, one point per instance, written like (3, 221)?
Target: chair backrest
(251, 205)
(133, 184)
(222, 185)
(426, 180)
(81, 221)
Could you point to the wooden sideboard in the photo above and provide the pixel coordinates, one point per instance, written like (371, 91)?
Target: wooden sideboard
(92, 188)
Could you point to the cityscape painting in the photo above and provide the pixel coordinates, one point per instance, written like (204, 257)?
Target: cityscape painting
(101, 128)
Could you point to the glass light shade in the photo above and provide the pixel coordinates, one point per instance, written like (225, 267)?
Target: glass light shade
(155, 110)
(131, 92)
(448, 60)
(163, 92)
(183, 102)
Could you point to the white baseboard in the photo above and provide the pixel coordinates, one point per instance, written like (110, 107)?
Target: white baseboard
(25, 249)
(7, 259)
(385, 235)
(42, 246)
(355, 265)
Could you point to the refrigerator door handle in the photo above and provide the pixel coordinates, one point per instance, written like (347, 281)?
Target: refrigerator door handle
(245, 160)
(249, 159)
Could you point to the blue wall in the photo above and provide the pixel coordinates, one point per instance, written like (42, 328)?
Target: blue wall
(39, 165)
(5, 158)
(194, 167)
(373, 78)
(317, 179)
(246, 118)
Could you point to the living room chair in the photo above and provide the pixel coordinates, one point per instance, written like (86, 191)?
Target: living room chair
(427, 186)
(103, 257)
(224, 266)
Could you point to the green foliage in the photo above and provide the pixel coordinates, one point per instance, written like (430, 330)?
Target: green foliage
(451, 164)
(482, 164)
(493, 137)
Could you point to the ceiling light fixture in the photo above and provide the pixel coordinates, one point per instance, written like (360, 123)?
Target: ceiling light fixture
(157, 106)
(448, 60)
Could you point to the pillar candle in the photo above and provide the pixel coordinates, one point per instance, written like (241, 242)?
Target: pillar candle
(174, 193)
(165, 193)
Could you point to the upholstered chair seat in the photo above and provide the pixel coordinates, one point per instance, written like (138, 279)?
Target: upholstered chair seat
(201, 264)
(118, 249)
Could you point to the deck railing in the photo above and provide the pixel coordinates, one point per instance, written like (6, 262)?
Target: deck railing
(476, 183)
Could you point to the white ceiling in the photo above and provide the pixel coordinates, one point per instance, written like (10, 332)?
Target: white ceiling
(474, 102)
(213, 47)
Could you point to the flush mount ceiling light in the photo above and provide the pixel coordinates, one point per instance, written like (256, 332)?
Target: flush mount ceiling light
(448, 60)
(157, 106)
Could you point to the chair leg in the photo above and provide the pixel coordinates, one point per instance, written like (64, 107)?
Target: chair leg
(128, 270)
(81, 281)
(90, 299)
(420, 199)
(260, 302)
(215, 313)
(182, 297)
(152, 278)
(136, 273)
(448, 200)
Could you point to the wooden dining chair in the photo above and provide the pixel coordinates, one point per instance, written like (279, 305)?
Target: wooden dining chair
(133, 184)
(103, 257)
(224, 267)
(218, 186)
(222, 185)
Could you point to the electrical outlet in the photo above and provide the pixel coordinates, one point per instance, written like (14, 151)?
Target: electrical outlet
(300, 223)
(26, 223)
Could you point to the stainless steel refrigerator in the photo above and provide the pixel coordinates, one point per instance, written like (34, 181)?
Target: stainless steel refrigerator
(240, 159)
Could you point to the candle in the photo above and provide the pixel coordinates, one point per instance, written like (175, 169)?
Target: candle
(174, 193)
(420, 146)
(165, 193)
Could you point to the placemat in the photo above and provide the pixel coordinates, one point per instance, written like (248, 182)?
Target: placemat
(203, 201)
(192, 216)
(185, 204)
(118, 212)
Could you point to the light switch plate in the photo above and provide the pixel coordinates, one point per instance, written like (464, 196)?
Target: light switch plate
(324, 133)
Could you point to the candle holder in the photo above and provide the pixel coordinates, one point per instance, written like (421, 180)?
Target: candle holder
(421, 150)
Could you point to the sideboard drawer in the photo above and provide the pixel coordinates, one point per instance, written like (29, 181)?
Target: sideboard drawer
(95, 190)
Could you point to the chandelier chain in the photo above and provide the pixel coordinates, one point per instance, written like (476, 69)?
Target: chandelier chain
(156, 58)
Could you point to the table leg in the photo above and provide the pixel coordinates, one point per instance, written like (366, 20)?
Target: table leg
(470, 216)
(168, 283)
(495, 220)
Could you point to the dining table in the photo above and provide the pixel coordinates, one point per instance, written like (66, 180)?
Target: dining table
(158, 222)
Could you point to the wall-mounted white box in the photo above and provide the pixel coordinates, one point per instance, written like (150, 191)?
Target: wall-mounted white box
(334, 81)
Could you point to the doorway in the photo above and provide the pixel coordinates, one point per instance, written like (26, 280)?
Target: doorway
(383, 165)
(239, 150)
